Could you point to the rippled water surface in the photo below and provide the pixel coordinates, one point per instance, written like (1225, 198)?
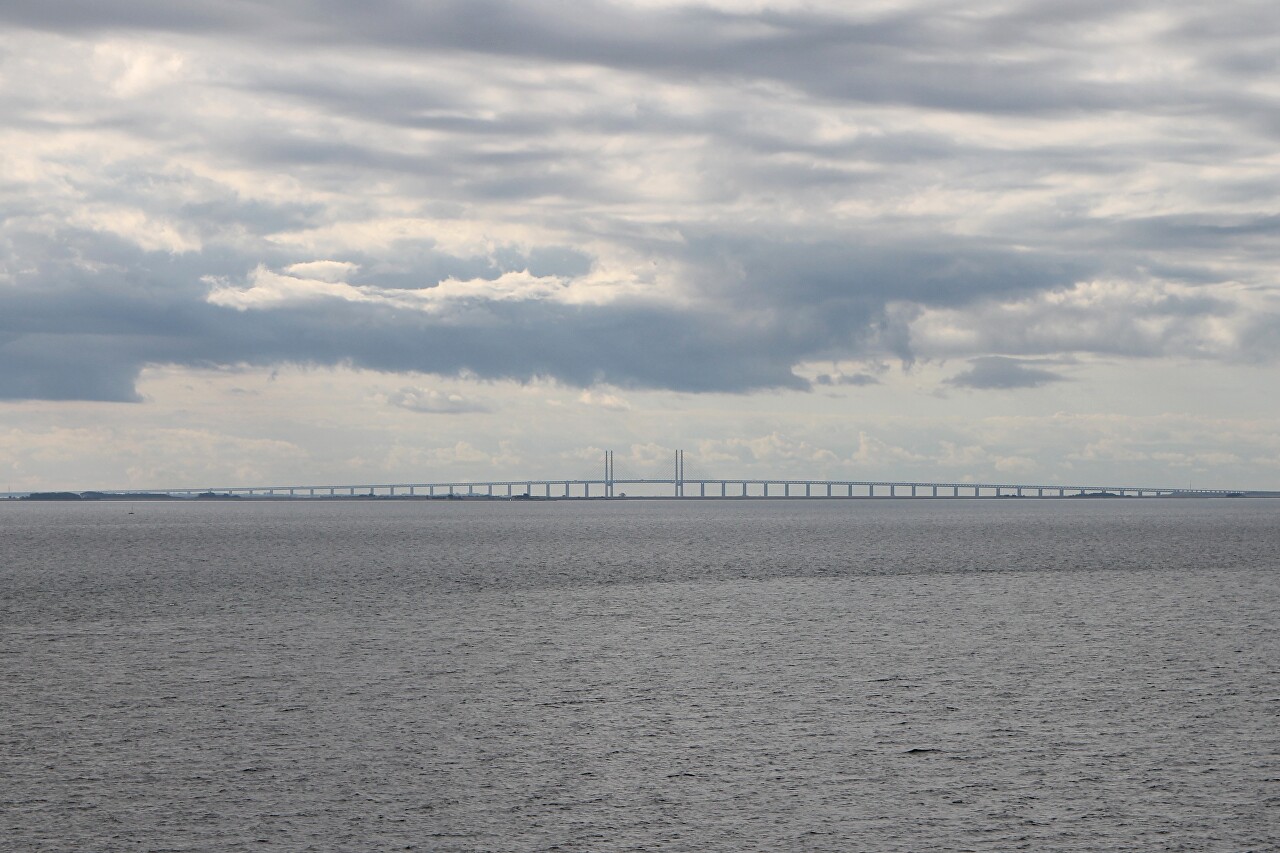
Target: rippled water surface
(590, 676)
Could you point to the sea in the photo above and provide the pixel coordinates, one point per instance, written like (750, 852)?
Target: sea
(640, 675)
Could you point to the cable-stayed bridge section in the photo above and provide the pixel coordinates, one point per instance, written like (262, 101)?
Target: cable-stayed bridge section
(610, 486)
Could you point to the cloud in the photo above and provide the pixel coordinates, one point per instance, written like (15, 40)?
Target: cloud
(855, 379)
(604, 400)
(998, 372)
(334, 272)
(695, 197)
(431, 401)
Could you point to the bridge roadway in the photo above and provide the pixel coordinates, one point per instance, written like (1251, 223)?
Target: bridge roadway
(732, 488)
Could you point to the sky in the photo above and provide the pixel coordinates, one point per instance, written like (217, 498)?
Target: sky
(309, 241)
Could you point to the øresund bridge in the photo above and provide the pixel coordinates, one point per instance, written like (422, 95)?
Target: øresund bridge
(679, 486)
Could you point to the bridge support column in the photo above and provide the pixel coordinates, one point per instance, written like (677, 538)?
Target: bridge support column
(548, 489)
(871, 490)
(724, 488)
(851, 490)
(893, 491)
(808, 490)
(702, 490)
(913, 491)
(744, 490)
(766, 490)
(828, 490)
(566, 490)
(586, 490)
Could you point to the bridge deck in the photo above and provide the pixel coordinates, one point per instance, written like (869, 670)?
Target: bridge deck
(694, 488)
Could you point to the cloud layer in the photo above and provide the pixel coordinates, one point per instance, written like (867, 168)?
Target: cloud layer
(700, 197)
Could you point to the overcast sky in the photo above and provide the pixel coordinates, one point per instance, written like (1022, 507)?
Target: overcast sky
(265, 242)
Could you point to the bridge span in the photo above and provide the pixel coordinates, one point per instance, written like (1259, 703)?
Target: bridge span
(678, 486)
(732, 488)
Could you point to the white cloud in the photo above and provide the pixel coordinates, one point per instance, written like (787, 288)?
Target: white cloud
(603, 400)
(431, 401)
(334, 272)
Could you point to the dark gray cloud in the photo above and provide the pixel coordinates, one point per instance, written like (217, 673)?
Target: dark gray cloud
(791, 304)
(996, 372)
(855, 379)
(921, 56)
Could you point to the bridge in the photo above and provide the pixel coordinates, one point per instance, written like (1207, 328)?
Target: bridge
(678, 485)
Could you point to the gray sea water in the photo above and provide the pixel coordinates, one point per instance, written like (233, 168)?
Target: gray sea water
(763, 675)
